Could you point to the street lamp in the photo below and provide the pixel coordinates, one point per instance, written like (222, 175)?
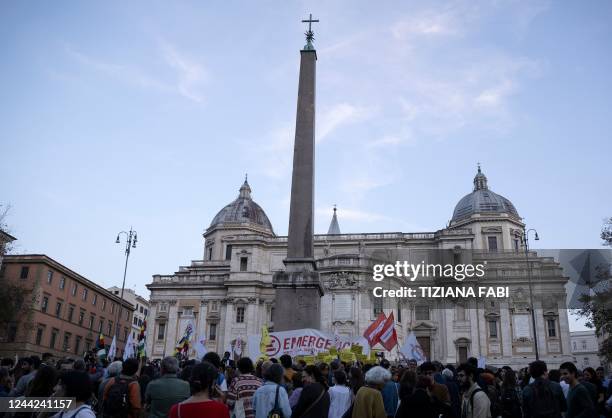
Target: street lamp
(131, 238)
(533, 320)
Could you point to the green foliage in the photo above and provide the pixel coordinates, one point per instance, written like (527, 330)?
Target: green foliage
(597, 307)
(12, 302)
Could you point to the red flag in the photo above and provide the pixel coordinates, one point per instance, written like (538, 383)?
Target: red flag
(372, 333)
(388, 337)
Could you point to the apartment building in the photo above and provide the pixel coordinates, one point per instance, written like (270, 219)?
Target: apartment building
(57, 310)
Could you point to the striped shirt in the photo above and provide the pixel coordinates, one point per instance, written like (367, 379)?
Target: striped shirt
(243, 387)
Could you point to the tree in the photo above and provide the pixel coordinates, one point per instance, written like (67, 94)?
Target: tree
(597, 307)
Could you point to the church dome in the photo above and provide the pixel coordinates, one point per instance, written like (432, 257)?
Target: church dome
(482, 201)
(243, 211)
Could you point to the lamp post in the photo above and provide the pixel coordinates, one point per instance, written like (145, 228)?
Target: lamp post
(533, 320)
(130, 242)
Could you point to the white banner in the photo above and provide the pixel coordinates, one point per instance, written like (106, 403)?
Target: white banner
(412, 349)
(305, 341)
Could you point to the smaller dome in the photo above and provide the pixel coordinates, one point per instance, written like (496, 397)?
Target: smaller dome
(243, 210)
(482, 201)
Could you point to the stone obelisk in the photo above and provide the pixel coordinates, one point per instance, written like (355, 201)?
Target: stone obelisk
(298, 288)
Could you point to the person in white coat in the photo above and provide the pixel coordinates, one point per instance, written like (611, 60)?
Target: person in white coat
(340, 396)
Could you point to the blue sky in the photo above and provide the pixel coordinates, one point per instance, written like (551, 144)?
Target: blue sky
(149, 114)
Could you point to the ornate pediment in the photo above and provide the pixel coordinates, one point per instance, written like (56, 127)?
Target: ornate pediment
(342, 280)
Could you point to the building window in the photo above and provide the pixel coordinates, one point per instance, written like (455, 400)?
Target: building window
(516, 245)
(584, 345)
(66, 345)
(214, 306)
(552, 327)
(91, 321)
(399, 312)
(586, 361)
(210, 253)
(94, 300)
(58, 309)
(53, 337)
(243, 263)
(39, 335)
(139, 322)
(81, 317)
(77, 344)
(62, 283)
(84, 295)
(125, 334)
(163, 307)
(24, 272)
(240, 315)
(103, 304)
(109, 328)
(492, 328)
(188, 311)
(135, 321)
(45, 303)
(127, 315)
(73, 291)
(70, 313)
(460, 313)
(212, 334)
(421, 313)
(492, 243)
(378, 306)
(161, 330)
(49, 277)
(112, 308)
(141, 309)
(575, 348)
(101, 325)
(228, 252)
(12, 332)
(146, 312)
(88, 345)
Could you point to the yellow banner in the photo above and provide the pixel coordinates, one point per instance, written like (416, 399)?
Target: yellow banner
(357, 349)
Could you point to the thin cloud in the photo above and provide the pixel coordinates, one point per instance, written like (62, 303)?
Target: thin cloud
(191, 75)
(189, 80)
(340, 114)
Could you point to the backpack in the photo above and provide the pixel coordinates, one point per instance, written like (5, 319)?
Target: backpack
(117, 403)
(543, 403)
(495, 407)
(276, 411)
(510, 404)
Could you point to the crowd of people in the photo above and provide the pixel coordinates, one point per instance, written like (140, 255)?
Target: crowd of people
(215, 387)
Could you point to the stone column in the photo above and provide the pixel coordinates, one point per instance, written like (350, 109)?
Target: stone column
(201, 326)
(227, 326)
(564, 332)
(151, 329)
(506, 333)
(171, 328)
(541, 328)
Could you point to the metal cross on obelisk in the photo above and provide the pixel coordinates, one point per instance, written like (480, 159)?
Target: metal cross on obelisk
(309, 33)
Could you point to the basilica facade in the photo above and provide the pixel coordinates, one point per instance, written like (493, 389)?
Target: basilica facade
(229, 293)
